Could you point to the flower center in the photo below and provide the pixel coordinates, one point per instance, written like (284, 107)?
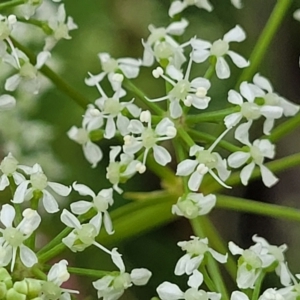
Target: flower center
(188, 208)
(9, 165)
(181, 89)
(112, 106)
(195, 247)
(193, 294)
(50, 291)
(208, 159)
(250, 111)
(110, 65)
(38, 181)
(4, 31)
(122, 282)
(101, 203)
(28, 71)
(13, 236)
(219, 48)
(163, 50)
(256, 155)
(148, 138)
(82, 136)
(251, 259)
(113, 172)
(87, 233)
(61, 32)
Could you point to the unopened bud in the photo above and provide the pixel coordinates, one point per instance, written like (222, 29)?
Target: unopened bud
(157, 72)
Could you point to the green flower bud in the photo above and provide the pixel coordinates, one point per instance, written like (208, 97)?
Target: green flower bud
(6, 278)
(3, 290)
(34, 287)
(14, 295)
(21, 287)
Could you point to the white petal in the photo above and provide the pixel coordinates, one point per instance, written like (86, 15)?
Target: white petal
(195, 181)
(238, 60)
(235, 98)
(161, 155)
(200, 55)
(108, 223)
(42, 58)
(175, 109)
(4, 182)
(234, 249)
(28, 257)
(117, 259)
(7, 215)
(136, 127)
(80, 207)
(237, 159)
(238, 4)
(7, 102)
(140, 276)
(195, 280)
(92, 153)
(222, 68)
(236, 34)
(186, 167)
(60, 189)
(263, 83)
(169, 291)
(232, 119)
(204, 4)
(246, 173)
(177, 28)
(83, 190)
(20, 192)
(49, 202)
(12, 82)
(70, 220)
(247, 91)
(237, 295)
(176, 7)
(242, 133)
(218, 256)
(268, 178)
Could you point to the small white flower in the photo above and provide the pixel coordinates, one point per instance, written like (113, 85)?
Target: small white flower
(170, 291)
(61, 25)
(205, 161)
(148, 137)
(190, 93)
(220, 48)
(58, 274)
(193, 205)
(119, 171)
(13, 237)
(237, 4)
(9, 166)
(38, 188)
(255, 154)
(83, 235)
(91, 151)
(160, 46)
(196, 250)
(27, 75)
(112, 287)
(100, 203)
(178, 6)
(272, 294)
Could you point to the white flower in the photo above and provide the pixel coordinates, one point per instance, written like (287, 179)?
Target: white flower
(237, 295)
(148, 137)
(111, 108)
(61, 25)
(255, 154)
(91, 151)
(162, 47)
(27, 75)
(119, 171)
(9, 166)
(205, 161)
(7, 102)
(193, 205)
(112, 287)
(170, 291)
(38, 188)
(204, 49)
(83, 235)
(58, 274)
(13, 237)
(178, 6)
(272, 294)
(251, 110)
(278, 253)
(191, 93)
(196, 250)
(296, 14)
(100, 203)
(130, 67)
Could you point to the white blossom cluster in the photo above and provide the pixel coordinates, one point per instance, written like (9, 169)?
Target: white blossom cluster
(145, 137)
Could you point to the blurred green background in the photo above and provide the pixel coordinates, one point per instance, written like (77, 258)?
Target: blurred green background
(117, 27)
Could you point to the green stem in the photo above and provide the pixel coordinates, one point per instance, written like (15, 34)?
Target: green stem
(198, 135)
(58, 81)
(258, 283)
(41, 24)
(12, 3)
(141, 95)
(88, 272)
(210, 72)
(38, 273)
(44, 257)
(185, 136)
(207, 280)
(212, 117)
(259, 208)
(212, 265)
(265, 39)
(284, 128)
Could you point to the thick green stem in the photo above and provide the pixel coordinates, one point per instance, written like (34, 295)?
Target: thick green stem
(185, 136)
(259, 208)
(12, 3)
(88, 272)
(265, 39)
(135, 90)
(258, 284)
(212, 266)
(58, 81)
(207, 280)
(210, 117)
